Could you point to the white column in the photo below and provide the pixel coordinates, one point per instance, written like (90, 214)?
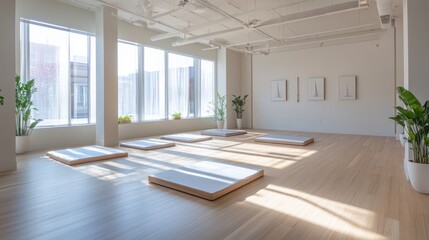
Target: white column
(7, 85)
(107, 76)
(229, 81)
(416, 50)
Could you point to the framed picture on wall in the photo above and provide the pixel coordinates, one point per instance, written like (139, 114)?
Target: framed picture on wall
(347, 87)
(278, 90)
(316, 89)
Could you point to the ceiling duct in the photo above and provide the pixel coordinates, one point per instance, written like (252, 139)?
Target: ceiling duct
(384, 8)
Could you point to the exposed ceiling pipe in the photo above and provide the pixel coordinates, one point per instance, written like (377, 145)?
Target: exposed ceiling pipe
(309, 41)
(315, 13)
(304, 35)
(163, 36)
(143, 18)
(223, 13)
(333, 9)
(215, 22)
(210, 35)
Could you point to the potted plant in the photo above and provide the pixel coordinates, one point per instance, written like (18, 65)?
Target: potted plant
(220, 110)
(414, 118)
(176, 116)
(125, 119)
(25, 123)
(238, 104)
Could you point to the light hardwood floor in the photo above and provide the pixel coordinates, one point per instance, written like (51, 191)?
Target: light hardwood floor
(340, 187)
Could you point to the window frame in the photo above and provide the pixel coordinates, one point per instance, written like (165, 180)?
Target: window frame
(25, 56)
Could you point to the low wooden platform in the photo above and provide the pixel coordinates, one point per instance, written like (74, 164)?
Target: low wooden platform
(208, 180)
(73, 156)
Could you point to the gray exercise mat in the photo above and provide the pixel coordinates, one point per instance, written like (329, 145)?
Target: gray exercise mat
(223, 132)
(73, 156)
(285, 139)
(209, 180)
(148, 144)
(185, 137)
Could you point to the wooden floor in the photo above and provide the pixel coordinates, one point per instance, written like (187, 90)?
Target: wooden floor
(340, 187)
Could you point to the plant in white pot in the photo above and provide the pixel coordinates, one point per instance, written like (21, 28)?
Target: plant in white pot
(220, 110)
(414, 118)
(238, 104)
(24, 105)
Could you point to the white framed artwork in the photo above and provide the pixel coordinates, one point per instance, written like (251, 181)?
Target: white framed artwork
(347, 87)
(278, 90)
(316, 89)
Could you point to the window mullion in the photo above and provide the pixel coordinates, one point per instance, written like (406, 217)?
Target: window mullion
(166, 86)
(140, 85)
(70, 94)
(88, 78)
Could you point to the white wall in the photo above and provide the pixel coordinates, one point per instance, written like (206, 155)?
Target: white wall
(371, 61)
(58, 13)
(7, 85)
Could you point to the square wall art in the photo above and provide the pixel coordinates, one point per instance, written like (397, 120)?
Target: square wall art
(278, 90)
(316, 89)
(347, 87)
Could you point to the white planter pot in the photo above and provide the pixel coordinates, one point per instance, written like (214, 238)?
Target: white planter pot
(419, 176)
(220, 124)
(402, 139)
(22, 144)
(239, 123)
(406, 169)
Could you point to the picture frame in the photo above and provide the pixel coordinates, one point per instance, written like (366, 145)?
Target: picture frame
(316, 89)
(347, 87)
(279, 90)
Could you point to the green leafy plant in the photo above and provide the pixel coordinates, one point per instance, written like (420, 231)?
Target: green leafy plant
(414, 118)
(125, 118)
(25, 123)
(176, 115)
(1, 99)
(238, 104)
(219, 107)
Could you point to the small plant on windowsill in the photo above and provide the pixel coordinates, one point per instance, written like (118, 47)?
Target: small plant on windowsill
(125, 119)
(176, 116)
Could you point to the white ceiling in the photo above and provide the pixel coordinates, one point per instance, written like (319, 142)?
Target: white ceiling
(252, 26)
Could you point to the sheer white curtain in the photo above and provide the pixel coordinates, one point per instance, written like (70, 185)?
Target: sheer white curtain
(179, 74)
(128, 70)
(154, 84)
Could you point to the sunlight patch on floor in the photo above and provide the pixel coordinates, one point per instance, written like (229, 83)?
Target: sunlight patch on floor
(329, 214)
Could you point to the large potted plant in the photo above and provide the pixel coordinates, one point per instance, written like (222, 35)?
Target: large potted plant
(414, 118)
(238, 104)
(25, 123)
(220, 110)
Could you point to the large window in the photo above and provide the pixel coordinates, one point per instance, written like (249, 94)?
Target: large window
(62, 63)
(169, 83)
(128, 76)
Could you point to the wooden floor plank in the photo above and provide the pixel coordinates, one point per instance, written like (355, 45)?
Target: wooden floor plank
(339, 187)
